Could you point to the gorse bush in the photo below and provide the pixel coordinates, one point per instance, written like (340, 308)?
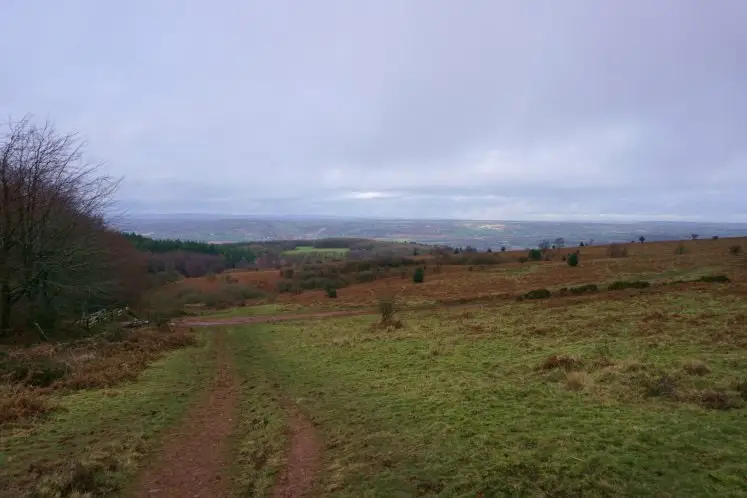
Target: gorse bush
(331, 292)
(714, 279)
(536, 294)
(584, 289)
(572, 259)
(735, 249)
(628, 284)
(387, 308)
(419, 276)
(534, 255)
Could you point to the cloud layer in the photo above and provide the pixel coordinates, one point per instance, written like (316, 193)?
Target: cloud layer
(427, 108)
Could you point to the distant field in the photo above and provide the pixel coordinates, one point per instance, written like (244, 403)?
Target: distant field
(309, 250)
(636, 396)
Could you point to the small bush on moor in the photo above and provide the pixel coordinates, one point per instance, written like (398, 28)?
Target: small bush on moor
(419, 276)
(628, 284)
(536, 294)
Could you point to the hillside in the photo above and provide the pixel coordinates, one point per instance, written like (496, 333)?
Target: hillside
(480, 234)
(625, 375)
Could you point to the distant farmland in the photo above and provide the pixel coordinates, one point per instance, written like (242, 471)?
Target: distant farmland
(330, 253)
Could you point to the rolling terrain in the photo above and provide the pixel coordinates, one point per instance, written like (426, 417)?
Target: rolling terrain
(479, 234)
(625, 375)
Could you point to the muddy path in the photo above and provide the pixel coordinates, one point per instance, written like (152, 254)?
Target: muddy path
(304, 458)
(195, 458)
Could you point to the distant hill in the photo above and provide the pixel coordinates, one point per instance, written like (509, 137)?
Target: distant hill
(479, 234)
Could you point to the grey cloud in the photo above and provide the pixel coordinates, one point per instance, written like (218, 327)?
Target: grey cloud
(515, 109)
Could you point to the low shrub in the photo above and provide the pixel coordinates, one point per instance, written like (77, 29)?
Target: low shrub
(284, 285)
(584, 289)
(628, 284)
(419, 276)
(331, 292)
(660, 385)
(695, 367)
(617, 251)
(572, 259)
(41, 371)
(712, 399)
(714, 279)
(522, 259)
(567, 363)
(387, 308)
(534, 255)
(735, 249)
(31, 377)
(20, 405)
(680, 250)
(537, 294)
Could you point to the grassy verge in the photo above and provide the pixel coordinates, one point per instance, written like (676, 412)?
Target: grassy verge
(93, 441)
(635, 397)
(260, 438)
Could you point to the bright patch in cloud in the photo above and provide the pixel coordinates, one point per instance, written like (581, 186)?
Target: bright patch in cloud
(369, 195)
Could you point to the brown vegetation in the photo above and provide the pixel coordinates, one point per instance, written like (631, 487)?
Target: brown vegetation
(29, 376)
(448, 282)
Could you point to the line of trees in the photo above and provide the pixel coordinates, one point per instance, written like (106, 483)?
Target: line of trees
(219, 256)
(57, 255)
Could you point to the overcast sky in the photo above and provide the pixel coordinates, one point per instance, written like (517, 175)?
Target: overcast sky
(526, 109)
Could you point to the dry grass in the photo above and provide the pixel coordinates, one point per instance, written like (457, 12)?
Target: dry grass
(695, 367)
(654, 262)
(92, 445)
(566, 363)
(712, 399)
(30, 376)
(577, 381)
(453, 284)
(17, 403)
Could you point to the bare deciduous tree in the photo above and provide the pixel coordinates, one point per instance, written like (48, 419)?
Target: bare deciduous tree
(52, 253)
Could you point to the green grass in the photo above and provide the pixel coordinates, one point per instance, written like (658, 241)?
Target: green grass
(95, 440)
(259, 439)
(456, 402)
(309, 251)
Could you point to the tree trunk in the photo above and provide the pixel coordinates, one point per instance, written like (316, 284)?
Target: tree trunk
(5, 304)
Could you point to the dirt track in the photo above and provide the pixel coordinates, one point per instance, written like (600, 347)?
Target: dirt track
(196, 455)
(298, 477)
